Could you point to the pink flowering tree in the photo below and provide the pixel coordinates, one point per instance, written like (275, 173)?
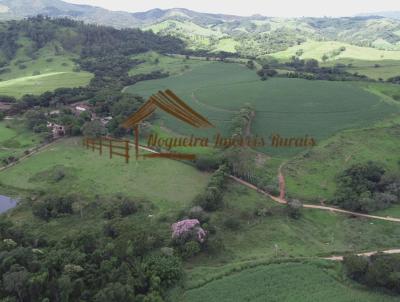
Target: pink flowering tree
(187, 228)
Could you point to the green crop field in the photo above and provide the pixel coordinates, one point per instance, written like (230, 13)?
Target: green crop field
(14, 139)
(283, 106)
(89, 173)
(289, 282)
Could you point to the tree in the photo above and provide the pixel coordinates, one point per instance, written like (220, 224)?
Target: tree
(356, 266)
(311, 65)
(115, 292)
(294, 207)
(15, 281)
(93, 129)
(250, 64)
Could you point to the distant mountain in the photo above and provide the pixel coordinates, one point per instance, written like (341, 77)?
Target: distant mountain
(392, 15)
(17, 9)
(251, 36)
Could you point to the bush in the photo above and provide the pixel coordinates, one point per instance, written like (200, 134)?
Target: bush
(356, 266)
(110, 230)
(232, 223)
(53, 206)
(198, 213)
(207, 162)
(127, 207)
(380, 270)
(167, 268)
(189, 249)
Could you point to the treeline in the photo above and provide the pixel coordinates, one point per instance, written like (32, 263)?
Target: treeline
(377, 271)
(84, 39)
(307, 69)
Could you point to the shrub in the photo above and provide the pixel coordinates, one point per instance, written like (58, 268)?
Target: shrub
(110, 230)
(189, 249)
(207, 162)
(232, 223)
(356, 266)
(167, 268)
(198, 213)
(127, 207)
(53, 206)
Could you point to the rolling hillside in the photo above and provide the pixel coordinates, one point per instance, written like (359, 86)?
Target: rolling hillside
(250, 36)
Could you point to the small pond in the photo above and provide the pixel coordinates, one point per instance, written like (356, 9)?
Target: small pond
(7, 203)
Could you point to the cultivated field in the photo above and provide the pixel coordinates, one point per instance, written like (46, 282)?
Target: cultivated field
(283, 106)
(289, 282)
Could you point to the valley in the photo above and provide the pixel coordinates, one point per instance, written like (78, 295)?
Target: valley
(94, 228)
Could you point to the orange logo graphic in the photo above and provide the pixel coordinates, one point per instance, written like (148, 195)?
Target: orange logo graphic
(173, 105)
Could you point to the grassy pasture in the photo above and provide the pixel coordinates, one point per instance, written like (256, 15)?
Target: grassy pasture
(47, 71)
(89, 174)
(289, 282)
(316, 49)
(260, 240)
(316, 233)
(14, 139)
(283, 106)
(382, 69)
(312, 176)
(45, 82)
(157, 62)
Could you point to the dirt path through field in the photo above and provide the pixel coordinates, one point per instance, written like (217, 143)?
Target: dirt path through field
(367, 254)
(33, 151)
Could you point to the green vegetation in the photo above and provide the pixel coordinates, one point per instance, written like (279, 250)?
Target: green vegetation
(166, 64)
(306, 281)
(156, 180)
(92, 228)
(379, 271)
(318, 49)
(379, 69)
(311, 176)
(218, 90)
(15, 140)
(44, 82)
(366, 187)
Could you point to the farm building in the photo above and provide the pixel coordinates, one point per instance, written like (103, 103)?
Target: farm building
(56, 129)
